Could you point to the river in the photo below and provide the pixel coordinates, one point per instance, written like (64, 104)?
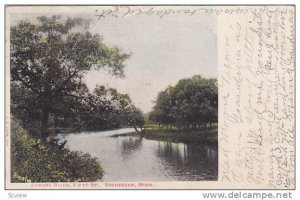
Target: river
(131, 158)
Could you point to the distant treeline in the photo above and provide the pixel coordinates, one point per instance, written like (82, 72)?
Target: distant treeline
(191, 103)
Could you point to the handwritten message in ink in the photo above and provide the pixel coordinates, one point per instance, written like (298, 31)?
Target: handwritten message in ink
(256, 98)
(165, 11)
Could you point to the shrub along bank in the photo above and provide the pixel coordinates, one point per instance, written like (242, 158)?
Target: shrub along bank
(35, 161)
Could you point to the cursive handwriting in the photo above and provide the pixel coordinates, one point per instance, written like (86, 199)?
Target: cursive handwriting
(257, 79)
(162, 11)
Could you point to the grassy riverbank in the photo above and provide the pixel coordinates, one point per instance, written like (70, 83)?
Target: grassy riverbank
(35, 161)
(207, 136)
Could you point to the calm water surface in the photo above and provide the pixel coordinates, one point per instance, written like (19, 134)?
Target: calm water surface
(131, 158)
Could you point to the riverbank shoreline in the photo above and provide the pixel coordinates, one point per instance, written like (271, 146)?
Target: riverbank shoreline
(168, 159)
(204, 136)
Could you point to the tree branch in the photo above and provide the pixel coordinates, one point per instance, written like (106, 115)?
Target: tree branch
(27, 85)
(67, 80)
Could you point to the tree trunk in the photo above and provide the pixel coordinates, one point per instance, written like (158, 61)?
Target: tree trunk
(44, 123)
(139, 132)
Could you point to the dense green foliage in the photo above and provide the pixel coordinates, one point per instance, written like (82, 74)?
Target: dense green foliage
(35, 161)
(191, 103)
(48, 61)
(103, 109)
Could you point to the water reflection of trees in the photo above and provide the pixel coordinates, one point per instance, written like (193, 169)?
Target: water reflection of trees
(129, 145)
(189, 161)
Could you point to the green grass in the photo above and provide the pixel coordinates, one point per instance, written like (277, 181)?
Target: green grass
(207, 135)
(151, 125)
(204, 136)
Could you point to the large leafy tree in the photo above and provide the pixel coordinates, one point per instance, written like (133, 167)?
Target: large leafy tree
(163, 109)
(48, 59)
(192, 102)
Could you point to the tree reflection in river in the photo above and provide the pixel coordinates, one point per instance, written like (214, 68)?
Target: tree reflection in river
(130, 145)
(189, 161)
(185, 161)
(132, 158)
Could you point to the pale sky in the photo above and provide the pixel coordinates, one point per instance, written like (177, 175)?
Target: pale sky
(162, 52)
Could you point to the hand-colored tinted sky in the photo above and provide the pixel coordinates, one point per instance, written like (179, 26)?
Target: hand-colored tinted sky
(162, 52)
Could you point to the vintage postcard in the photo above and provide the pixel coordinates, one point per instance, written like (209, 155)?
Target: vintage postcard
(150, 97)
